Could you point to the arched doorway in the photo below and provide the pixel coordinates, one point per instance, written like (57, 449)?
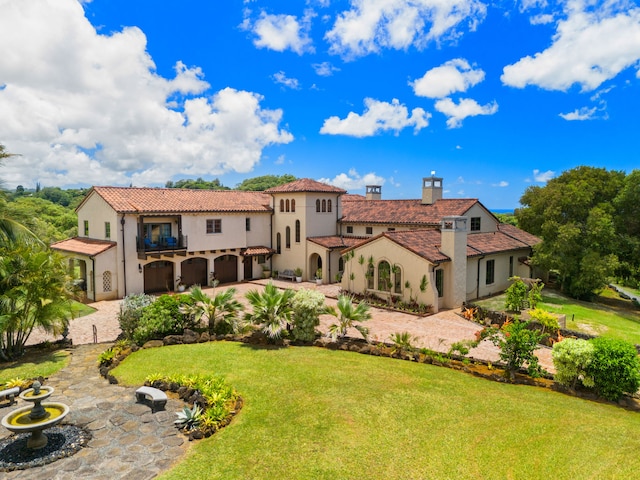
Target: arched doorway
(315, 264)
(226, 268)
(159, 277)
(194, 271)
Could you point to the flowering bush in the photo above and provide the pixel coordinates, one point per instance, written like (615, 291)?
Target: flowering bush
(307, 307)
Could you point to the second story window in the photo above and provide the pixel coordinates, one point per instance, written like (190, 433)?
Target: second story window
(369, 230)
(247, 224)
(475, 224)
(317, 205)
(349, 229)
(214, 225)
(328, 205)
(293, 205)
(324, 205)
(107, 230)
(297, 231)
(86, 228)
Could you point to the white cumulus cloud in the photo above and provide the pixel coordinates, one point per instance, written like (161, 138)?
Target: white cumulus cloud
(453, 76)
(591, 46)
(281, 32)
(353, 181)
(543, 177)
(583, 113)
(88, 108)
(325, 69)
(281, 78)
(377, 117)
(467, 107)
(371, 25)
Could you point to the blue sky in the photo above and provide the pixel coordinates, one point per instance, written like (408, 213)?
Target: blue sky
(493, 97)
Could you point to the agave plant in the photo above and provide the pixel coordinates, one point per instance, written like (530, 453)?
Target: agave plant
(189, 418)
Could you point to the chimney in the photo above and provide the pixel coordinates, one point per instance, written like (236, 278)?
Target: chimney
(431, 189)
(374, 192)
(454, 245)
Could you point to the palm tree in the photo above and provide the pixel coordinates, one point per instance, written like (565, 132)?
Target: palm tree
(272, 309)
(222, 308)
(34, 293)
(347, 314)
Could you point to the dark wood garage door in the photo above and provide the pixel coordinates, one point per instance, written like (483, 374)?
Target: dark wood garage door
(226, 268)
(194, 272)
(158, 277)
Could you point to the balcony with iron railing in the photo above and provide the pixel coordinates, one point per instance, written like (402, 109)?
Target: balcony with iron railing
(161, 245)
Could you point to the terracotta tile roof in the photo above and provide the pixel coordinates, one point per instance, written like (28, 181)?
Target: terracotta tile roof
(352, 197)
(305, 185)
(255, 251)
(334, 241)
(178, 200)
(427, 243)
(515, 232)
(83, 246)
(403, 212)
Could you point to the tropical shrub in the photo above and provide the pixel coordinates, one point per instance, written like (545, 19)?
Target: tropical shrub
(535, 294)
(307, 306)
(163, 317)
(188, 418)
(220, 312)
(131, 310)
(615, 368)
(271, 309)
(517, 345)
(544, 318)
(515, 294)
(348, 313)
(571, 357)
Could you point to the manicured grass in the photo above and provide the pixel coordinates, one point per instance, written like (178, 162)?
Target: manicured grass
(80, 309)
(34, 364)
(590, 317)
(313, 413)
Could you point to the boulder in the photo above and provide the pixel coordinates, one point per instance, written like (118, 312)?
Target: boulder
(153, 344)
(189, 336)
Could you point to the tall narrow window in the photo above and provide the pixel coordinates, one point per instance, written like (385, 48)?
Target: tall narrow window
(384, 276)
(491, 271)
(106, 281)
(297, 231)
(287, 238)
(107, 230)
(317, 205)
(278, 243)
(440, 282)
(397, 279)
(510, 266)
(86, 228)
(288, 205)
(293, 205)
(247, 224)
(282, 205)
(328, 205)
(324, 205)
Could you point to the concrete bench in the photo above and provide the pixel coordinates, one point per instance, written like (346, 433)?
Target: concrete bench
(288, 274)
(10, 394)
(158, 397)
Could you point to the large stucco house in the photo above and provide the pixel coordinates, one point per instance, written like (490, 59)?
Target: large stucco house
(434, 250)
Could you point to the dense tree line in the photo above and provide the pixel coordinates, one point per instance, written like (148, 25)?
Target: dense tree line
(589, 220)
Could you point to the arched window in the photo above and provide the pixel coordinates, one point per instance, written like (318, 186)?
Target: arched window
(281, 205)
(370, 274)
(287, 204)
(384, 276)
(297, 231)
(328, 205)
(106, 281)
(324, 205)
(278, 243)
(287, 238)
(397, 279)
(317, 205)
(293, 205)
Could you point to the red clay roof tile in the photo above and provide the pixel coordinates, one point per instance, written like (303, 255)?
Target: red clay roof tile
(403, 212)
(83, 246)
(305, 185)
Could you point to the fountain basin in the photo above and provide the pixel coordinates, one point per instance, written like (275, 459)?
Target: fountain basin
(19, 421)
(30, 396)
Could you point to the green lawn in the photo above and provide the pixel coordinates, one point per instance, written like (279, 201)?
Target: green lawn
(594, 318)
(313, 413)
(34, 364)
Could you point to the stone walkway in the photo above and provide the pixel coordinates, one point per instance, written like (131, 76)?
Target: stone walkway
(128, 440)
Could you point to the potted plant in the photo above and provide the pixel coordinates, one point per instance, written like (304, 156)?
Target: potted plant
(179, 285)
(319, 276)
(266, 272)
(298, 274)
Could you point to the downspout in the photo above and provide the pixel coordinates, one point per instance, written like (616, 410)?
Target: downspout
(124, 260)
(93, 277)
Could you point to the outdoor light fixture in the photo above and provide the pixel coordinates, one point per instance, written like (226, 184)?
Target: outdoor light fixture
(140, 268)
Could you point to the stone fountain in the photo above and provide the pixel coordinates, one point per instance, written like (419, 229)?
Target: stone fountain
(37, 417)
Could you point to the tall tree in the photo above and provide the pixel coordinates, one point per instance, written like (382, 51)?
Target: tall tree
(574, 215)
(259, 184)
(627, 205)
